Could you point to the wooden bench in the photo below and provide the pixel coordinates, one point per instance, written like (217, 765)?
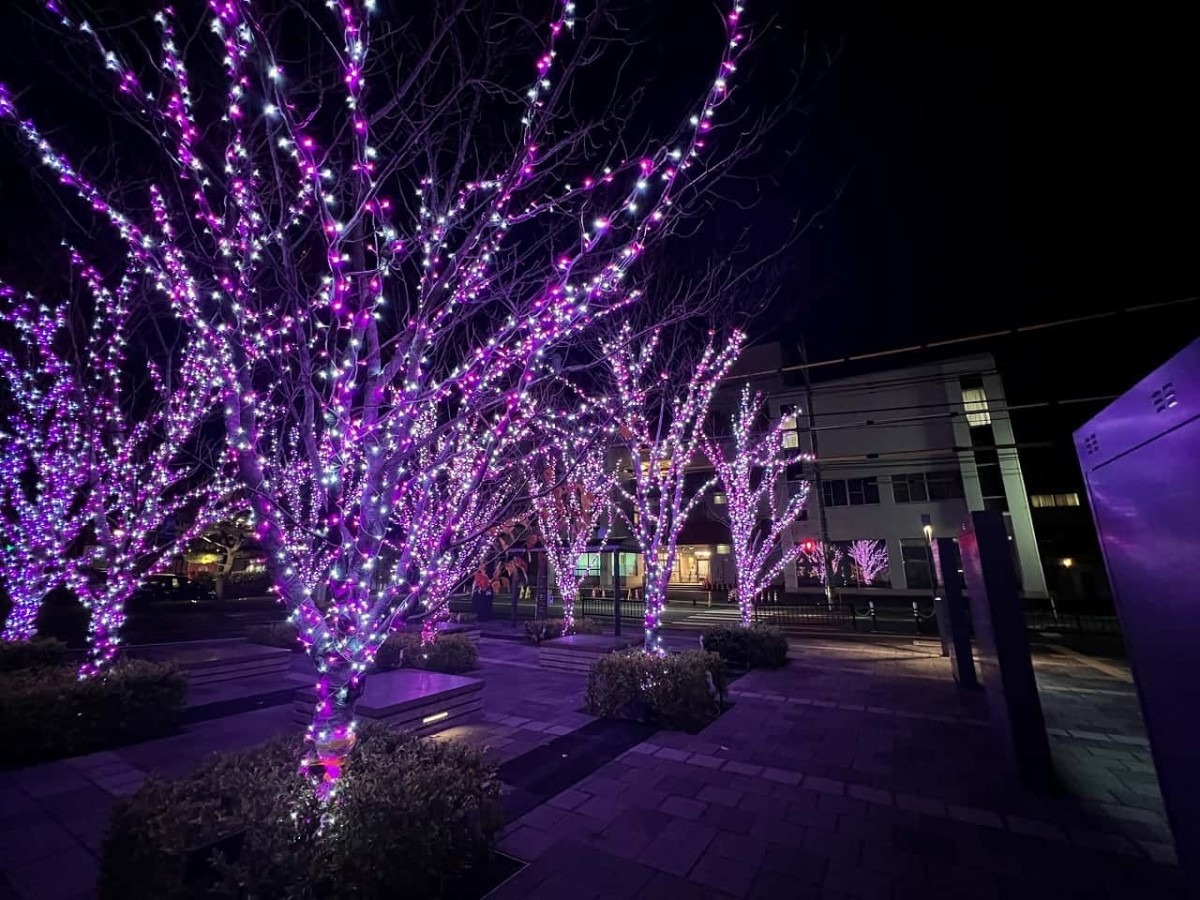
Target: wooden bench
(410, 699)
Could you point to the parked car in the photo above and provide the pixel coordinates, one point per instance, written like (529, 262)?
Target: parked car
(158, 588)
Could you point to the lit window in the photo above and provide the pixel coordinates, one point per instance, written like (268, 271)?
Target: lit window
(1042, 501)
(719, 499)
(976, 406)
(791, 438)
(722, 549)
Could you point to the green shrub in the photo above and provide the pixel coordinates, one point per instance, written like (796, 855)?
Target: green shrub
(757, 647)
(411, 816)
(49, 713)
(35, 654)
(452, 654)
(684, 690)
(277, 634)
(539, 630)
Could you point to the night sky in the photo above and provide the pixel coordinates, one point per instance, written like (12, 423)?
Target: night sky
(982, 169)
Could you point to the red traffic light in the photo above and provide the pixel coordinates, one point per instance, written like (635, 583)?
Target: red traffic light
(809, 545)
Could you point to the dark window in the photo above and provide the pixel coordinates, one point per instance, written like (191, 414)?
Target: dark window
(862, 491)
(944, 485)
(991, 484)
(909, 488)
(917, 574)
(833, 493)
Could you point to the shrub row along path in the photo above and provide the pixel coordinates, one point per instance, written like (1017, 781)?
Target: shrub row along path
(857, 771)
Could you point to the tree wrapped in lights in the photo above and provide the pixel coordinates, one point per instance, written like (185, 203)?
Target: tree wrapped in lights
(662, 430)
(43, 460)
(870, 558)
(379, 278)
(569, 486)
(816, 560)
(750, 466)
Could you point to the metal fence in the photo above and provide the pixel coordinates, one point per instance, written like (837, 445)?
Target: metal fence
(601, 607)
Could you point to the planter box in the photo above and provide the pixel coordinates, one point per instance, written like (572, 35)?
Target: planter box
(410, 699)
(577, 652)
(210, 662)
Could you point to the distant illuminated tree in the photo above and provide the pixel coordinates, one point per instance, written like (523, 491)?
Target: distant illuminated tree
(751, 465)
(815, 556)
(569, 485)
(660, 422)
(870, 558)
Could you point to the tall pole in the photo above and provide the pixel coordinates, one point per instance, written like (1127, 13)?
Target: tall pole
(810, 413)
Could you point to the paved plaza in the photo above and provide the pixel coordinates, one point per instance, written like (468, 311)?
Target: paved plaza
(859, 770)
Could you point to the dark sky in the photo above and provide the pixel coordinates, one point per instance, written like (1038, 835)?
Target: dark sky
(1001, 166)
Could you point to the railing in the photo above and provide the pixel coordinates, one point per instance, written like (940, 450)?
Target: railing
(868, 617)
(598, 604)
(1076, 623)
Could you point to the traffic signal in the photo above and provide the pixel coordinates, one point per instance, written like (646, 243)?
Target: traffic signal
(809, 545)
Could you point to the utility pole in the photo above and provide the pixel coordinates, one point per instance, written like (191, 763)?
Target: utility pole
(810, 413)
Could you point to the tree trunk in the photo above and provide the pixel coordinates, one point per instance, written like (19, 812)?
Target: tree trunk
(331, 735)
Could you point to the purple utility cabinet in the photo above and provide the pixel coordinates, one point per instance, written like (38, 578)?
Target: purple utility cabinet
(1141, 461)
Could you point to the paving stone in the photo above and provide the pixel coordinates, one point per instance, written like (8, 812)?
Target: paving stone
(740, 768)
(527, 844)
(781, 775)
(684, 807)
(665, 885)
(543, 817)
(32, 842)
(924, 805)
(646, 748)
(733, 876)
(975, 816)
(705, 761)
(828, 785)
(568, 799)
(1034, 828)
(711, 793)
(869, 794)
(74, 875)
(856, 881)
(602, 807)
(739, 846)
(673, 754)
(51, 778)
(1160, 852)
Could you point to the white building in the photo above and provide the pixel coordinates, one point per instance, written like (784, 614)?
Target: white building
(905, 448)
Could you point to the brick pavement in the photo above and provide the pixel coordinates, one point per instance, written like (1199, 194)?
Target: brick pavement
(861, 771)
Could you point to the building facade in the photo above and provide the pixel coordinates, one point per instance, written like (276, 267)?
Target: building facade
(901, 456)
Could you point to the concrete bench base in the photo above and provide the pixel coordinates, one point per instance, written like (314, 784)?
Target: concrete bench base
(410, 699)
(211, 662)
(577, 652)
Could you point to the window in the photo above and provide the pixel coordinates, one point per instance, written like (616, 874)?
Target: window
(720, 499)
(909, 488)
(627, 564)
(1044, 500)
(925, 486)
(588, 564)
(722, 549)
(917, 573)
(850, 492)
(976, 406)
(791, 437)
(944, 485)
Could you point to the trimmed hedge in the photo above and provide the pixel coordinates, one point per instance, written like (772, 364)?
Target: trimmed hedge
(39, 653)
(452, 654)
(757, 647)
(50, 713)
(277, 634)
(411, 817)
(539, 630)
(684, 690)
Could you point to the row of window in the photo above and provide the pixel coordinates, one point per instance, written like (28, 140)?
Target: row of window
(1044, 500)
(921, 487)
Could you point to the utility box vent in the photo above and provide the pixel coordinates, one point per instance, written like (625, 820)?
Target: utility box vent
(1164, 398)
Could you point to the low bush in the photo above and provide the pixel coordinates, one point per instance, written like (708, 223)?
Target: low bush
(452, 654)
(49, 713)
(277, 634)
(412, 816)
(757, 647)
(539, 630)
(36, 654)
(684, 690)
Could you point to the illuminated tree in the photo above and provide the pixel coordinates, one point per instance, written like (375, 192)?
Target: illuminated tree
(569, 486)
(661, 427)
(378, 266)
(870, 557)
(750, 466)
(43, 463)
(139, 481)
(815, 556)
